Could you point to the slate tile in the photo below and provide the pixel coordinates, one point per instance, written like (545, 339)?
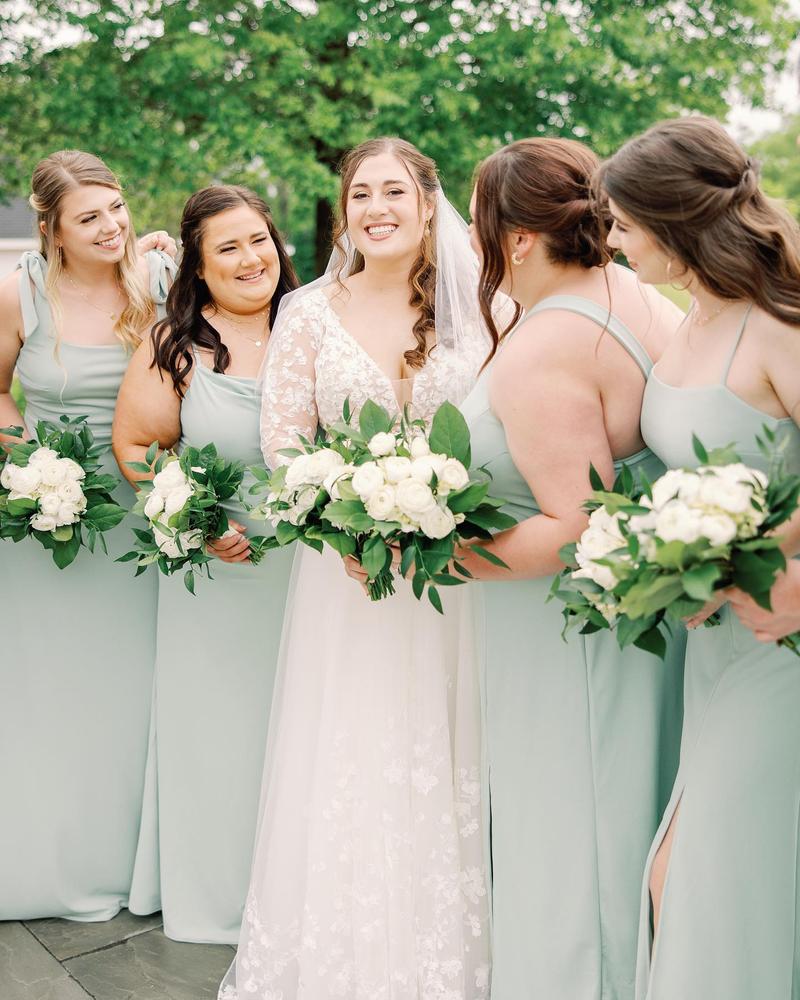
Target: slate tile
(28, 972)
(151, 967)
(68, 938)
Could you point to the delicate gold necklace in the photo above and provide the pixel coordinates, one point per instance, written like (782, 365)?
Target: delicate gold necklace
(88, 301)
(699, 320)
(241, 327)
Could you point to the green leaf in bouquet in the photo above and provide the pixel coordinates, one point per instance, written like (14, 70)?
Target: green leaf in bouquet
(567, 555)
(699, 581)
(629, 629)
(14, 431)
(450, 435)
(489, 556)
(648, 596)
(435, 554)
(64, 552)
(407, 559)
(755, 572)
(127, 557)
(286, 532)
(418, 583)
(653, 642)
(188, 580)
(105, 516)
(138, 466)
(21, 506)
(97, 483)
(376, 556)
(460, 568)
(144, 536)
(435, 599)
(259, 472)
(671, 555)
(470, 497)
(19, 454)
(150, 454)
(595, 479)
(347, 413)
(67, 444)
(373, 419)
(447, 580)
(699, 450)
(345, 545)
(490, 519)
(63, 533)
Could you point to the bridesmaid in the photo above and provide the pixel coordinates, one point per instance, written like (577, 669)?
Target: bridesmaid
(723, 872)
(78, 646)
(581, 739)
(194, 383)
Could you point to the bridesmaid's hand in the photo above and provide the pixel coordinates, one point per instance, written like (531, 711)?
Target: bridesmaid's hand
(784, 619)
(356, 571)
(158, 240)
(707, 610)
(233, 547)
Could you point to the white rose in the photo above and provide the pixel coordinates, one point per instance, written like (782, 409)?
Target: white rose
(297, 472)
(67, 514)
(168, 544)
(52, 473)
(414, 497)
(43, 522)
(382, 444)
(725, 494)
(719, 529)
(49, 503)
(419, 447)
(171, 475)
(641, 524)
(396, 467)
(601, 575)
(303, 503)
(367, 478)
(72, 471)
(676, 522)
(71, 491)
(437, 522)
(42, 455)
(600, 520)
(453, 475)
(424, 467)
(153, 505)
(381, 503)
(176, 498)
(331, 480)
(321, 464)
(666, 487)
(24, 481)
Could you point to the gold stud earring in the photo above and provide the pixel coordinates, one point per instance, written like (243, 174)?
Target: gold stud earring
(516, 260)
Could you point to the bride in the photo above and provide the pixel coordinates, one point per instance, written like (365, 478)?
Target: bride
(368, 880)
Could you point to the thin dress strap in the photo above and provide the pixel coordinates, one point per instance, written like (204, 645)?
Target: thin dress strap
(729, 362)
(595, 312)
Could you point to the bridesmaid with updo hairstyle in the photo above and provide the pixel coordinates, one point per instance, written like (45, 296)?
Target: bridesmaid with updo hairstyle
(78, 646)
(721, 897)
(581, 738)
(194, 382)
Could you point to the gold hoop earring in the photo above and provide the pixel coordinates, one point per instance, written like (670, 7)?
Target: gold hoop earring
(516, 260)
(678, 288)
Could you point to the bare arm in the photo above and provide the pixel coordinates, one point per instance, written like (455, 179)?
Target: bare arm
(148, 409)
(11, 340)
(544, 390)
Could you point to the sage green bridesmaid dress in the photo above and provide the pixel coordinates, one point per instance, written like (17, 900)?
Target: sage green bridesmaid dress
(581, 748)
(729, 915)
(76, 666)
(217, 654)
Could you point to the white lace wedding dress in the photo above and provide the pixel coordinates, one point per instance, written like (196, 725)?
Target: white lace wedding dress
(368, 880)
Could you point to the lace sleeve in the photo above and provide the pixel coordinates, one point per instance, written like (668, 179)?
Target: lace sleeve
(288, 395)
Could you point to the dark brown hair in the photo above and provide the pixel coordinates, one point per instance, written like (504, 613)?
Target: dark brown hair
(422, 276)
(184, 324)
(541, 186)
(696, 191)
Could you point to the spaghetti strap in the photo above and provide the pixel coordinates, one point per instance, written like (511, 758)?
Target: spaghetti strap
(731, 355)
(604, 318)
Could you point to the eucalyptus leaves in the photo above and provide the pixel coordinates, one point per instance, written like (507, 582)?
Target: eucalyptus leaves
(649, 561)
(382, 487)
(52, 490)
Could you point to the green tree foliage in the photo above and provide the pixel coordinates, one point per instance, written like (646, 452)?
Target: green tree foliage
(779, 155)
(175, 94)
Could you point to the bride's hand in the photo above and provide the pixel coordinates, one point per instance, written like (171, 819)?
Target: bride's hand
(233, 546)
(356, 571)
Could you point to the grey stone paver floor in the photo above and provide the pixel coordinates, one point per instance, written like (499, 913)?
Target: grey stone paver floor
(127, 958)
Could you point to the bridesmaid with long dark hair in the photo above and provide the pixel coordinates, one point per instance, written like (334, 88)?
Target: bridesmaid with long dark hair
(722, 877)
(192, 383)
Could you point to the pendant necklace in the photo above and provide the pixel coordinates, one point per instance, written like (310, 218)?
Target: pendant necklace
(112, 315)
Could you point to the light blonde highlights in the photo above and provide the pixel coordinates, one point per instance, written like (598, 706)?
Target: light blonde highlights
(54, 177)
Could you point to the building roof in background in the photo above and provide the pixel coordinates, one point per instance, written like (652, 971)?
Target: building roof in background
(16, 220)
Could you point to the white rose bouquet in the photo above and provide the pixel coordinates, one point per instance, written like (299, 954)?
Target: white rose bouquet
(381, 484)
(51, 489)
(182, 507)
(653, 559)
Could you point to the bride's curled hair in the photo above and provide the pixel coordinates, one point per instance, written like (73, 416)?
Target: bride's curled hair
(422, 277)
(541, 186)
(696, 191)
